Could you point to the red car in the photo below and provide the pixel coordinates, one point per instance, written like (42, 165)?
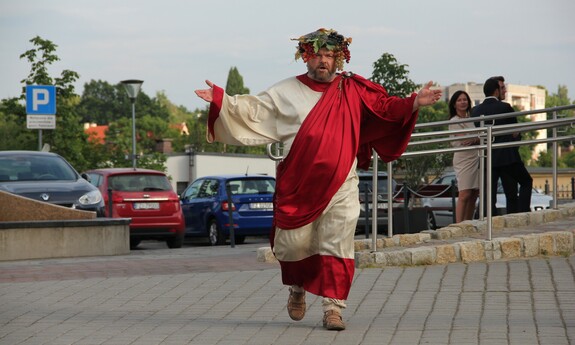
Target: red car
(147, 197)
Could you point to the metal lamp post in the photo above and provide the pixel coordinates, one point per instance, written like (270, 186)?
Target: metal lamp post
(132, 88)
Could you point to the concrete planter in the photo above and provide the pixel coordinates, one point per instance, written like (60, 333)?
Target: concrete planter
(64, 238)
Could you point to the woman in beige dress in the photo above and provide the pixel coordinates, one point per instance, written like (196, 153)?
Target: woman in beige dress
(465, 163)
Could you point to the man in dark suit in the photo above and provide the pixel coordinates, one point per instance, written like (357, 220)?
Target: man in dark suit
(506, 162)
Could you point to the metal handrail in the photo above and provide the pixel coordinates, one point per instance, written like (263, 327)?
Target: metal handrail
(486, 133)
(494, 117)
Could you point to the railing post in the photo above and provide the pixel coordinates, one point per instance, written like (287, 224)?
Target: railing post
(453, 196)
(489, 182)
(555, 151)
(366, 215)
(406, 208)
(374, 200)
(482, 175)
(573, 188)
(546, 187)
(390, 195)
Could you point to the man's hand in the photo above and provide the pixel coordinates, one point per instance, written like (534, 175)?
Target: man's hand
(206, 94)
(425, 96)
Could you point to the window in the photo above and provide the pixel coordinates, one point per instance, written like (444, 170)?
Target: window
(140, 183)
(252, 186)
(208, 189)
(192, 191)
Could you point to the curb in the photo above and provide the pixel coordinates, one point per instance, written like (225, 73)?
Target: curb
(462, 242)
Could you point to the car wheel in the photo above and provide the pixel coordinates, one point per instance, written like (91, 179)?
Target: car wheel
(176, 242)
(134, 242)
(431, 224)
(215, 235)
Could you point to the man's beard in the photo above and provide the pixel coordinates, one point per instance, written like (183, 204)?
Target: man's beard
(322, 75)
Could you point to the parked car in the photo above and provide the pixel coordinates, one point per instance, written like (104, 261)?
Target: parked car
(48, 177)
(206, 207)
(147, 197)
(366, 185)
(440, 218)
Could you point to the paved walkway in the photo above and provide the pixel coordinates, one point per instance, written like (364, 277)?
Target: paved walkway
(222, 295)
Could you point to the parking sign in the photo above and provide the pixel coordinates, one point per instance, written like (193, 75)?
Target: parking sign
(40, 100)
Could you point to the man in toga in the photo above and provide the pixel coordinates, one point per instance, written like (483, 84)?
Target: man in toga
(328, 123)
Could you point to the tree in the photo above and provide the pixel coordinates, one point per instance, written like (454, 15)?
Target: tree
(13, 132)
(119, 143)
(100, 103)
(235, 86)
(569, 159)
(107, 104)
(68, 139)
(525, 151)
(545, 159)
(42, 56)
(235, 83)
(394, 77)
(559, 99)
(103, 103)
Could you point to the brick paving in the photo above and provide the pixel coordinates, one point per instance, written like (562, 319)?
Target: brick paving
(221, 295)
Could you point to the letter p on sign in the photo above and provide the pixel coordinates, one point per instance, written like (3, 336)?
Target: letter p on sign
(40, 100)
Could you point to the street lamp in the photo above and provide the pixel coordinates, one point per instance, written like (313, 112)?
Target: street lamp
(132, 88)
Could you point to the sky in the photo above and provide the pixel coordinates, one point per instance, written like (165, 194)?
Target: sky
(175, 45)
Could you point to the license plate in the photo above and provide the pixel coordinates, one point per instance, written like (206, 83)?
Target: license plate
(262, 206)
(146, 206)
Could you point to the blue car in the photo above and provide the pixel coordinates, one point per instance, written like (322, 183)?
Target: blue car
(206, 207)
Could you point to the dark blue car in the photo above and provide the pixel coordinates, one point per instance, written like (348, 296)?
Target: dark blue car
(206, 208)
(48, 177)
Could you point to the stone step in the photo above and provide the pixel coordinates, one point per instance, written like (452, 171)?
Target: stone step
(522, 235)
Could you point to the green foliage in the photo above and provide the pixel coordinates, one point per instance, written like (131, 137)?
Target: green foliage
(526, 150)
(13, 132)
(393, 76)
(567, 160)
(198, 127)
(68, 139)
(103, 103)
(422, 169)
(100, 103)
(40, 58)
(154, 161)
(559, 99)
(235, 83)
(545, 159)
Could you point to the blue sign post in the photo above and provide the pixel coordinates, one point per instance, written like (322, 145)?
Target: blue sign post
(40, 108)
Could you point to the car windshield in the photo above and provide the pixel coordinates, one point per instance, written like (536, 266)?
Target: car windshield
(367, 182)
(139, 183)
(252, 186)
(35, 168)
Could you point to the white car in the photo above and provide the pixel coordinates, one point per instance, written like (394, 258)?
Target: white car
(440, 218)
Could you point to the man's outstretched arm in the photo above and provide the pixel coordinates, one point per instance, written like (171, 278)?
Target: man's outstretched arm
(426, 96)
(206, 94)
